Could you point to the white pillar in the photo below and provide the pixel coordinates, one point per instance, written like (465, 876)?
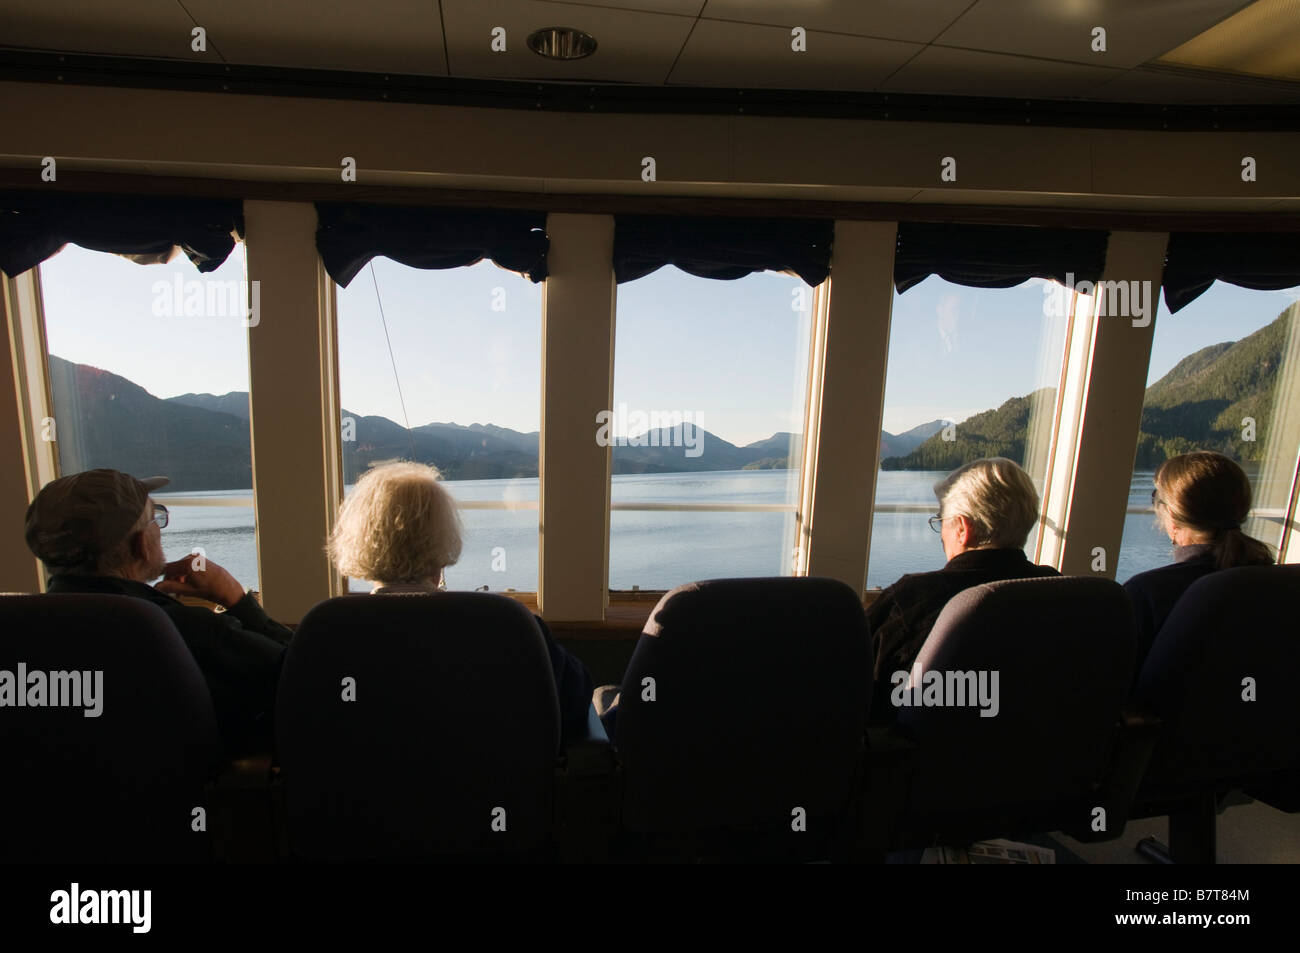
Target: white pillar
(577, 383)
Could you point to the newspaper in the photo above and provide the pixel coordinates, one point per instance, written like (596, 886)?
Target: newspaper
(990, 852)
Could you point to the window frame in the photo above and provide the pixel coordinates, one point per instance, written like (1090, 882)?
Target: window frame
(27, 374)
(1080, 479)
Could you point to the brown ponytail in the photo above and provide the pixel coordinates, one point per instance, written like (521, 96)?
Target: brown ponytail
(1209, 493)
(1235, 548)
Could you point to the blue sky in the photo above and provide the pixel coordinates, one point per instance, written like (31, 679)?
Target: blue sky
(1224, 313)
(458, 360)
(733, 352)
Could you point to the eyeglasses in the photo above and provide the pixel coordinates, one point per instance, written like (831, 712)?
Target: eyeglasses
(160, 515)
(1155, 498)
(936, 523)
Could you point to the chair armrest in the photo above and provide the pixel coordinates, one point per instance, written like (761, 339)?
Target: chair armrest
(1132, 741)
(590, 752)
(887, 781)
(594, 728)
(1281, 791)
(588, 795)
(239, 811)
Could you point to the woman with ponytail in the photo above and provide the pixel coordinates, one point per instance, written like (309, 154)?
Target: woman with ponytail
(1201, 501)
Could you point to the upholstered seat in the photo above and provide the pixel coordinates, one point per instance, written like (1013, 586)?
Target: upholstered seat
(1034, 674)
(1221, 676)
(117, 777)
(417, 727)
(742, 715)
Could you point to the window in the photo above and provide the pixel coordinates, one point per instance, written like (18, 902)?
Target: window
(1221, 376)
(444, 367)
(710, 381)
(148, 371)
(973, 372)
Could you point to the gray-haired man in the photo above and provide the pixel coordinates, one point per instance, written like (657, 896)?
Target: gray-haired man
(99, 532)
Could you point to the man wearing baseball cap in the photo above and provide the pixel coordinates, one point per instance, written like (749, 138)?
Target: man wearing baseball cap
(99, 532)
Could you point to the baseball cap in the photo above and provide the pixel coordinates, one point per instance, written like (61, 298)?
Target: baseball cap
(75, 519)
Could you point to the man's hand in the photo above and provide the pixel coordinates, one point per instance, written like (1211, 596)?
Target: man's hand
(182, 578)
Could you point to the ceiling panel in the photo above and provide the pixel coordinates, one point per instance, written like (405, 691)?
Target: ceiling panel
(741, 54)
(1136, 30)
(968, 73)
(1263, 39)
(852, 45)
(399, 36)
(887, 19)
(1145, 85)
(122, 27)
(631, 46)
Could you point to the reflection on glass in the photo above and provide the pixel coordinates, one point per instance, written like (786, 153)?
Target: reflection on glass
(972, 372)
(710, 382)
(148, 369)
(1223, 377)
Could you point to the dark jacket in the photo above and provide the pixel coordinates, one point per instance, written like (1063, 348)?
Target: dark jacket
(902, 616)
(239, 652)
(1154, 593)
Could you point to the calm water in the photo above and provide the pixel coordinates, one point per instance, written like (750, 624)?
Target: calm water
(652, 550)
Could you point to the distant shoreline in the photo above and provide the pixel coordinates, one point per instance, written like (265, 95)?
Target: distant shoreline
(183, 494)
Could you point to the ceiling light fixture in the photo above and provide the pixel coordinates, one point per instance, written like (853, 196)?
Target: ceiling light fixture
(562, 43)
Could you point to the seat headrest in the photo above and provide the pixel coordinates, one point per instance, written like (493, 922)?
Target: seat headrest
(743, 699)
(467, 641)
(1017, 622)
(1220, 675)
(1020, 685)
(403, 722)
(130, 775)
(763, 602)
(1228, 625)
(145, 661)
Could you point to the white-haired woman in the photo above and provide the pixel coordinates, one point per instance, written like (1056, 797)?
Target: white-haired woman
(986, 511)
(399, 529)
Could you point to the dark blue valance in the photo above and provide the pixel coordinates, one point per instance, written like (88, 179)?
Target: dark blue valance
(35, 224)
(1264, 261)
(996, 256)
(349, 235)
(725, 248)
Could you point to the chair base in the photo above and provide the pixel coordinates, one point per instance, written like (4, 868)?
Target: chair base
(1192, 831)
(1154, 851)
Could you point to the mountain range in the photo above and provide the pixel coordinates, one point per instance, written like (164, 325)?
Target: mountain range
(1000, 432)
(1202, 402)
(202, 440)
(1199, 405)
